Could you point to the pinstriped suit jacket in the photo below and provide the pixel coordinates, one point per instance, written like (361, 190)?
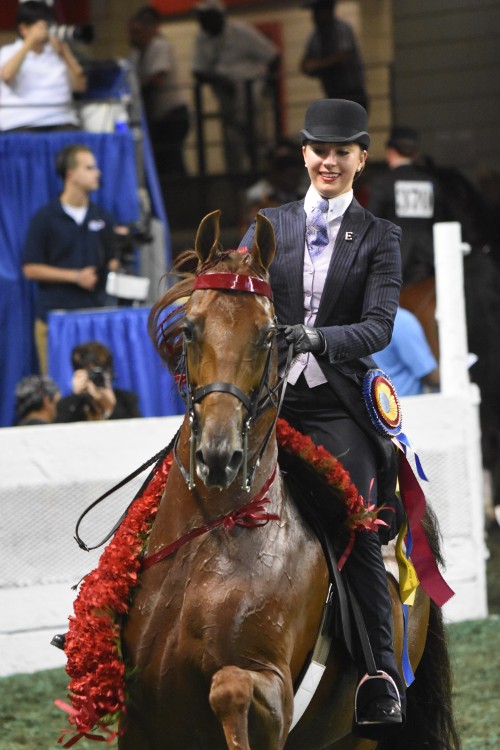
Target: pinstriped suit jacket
(361, 293)
(357, 308)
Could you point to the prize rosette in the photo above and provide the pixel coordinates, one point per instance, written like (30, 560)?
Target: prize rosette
(384, 409)
(382, 403)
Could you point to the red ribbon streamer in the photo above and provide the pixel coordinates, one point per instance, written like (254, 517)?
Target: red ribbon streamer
(81, 733)
(347, 551)
(421, 556)
(251, 514)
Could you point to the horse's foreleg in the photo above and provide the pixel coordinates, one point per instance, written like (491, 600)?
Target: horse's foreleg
(234, 692)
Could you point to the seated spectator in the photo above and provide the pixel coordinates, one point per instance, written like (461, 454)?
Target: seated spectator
(94, 398)
(38, 74)
(408, 359)
(165, 105)
(36, 400)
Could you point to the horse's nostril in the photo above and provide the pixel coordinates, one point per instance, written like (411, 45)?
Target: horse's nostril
(235, 461)
(199, 456)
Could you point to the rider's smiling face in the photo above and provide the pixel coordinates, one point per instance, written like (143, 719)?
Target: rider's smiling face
(333, 166)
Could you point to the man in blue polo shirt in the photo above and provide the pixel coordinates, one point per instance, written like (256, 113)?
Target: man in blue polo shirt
(408, 359)
(70, 245)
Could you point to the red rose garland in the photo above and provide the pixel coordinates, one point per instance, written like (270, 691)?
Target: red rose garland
(92, 646)
(93, 651)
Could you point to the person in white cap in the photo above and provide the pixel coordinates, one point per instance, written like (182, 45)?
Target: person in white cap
(336, 278)
(226, 54)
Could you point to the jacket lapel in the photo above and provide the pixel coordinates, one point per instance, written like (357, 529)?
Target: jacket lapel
(352, 230)
(292, 225)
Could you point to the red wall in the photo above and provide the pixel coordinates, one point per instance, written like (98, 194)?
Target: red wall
(175, 7)
(66, 11)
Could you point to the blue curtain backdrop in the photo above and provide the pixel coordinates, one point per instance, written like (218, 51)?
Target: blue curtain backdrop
(136, 363)
(28, 181)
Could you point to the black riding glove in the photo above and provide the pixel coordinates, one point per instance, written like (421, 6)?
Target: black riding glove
(305, 339)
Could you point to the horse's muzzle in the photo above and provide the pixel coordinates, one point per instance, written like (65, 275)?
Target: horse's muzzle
(218, 465)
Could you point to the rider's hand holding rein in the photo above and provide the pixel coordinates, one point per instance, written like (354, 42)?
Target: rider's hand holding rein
(305, 339)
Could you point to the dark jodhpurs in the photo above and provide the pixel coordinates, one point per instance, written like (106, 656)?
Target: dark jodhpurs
(318, 413)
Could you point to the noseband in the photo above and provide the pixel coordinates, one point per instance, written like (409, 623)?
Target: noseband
(255, 403)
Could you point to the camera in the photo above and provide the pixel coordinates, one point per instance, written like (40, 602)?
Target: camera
(125, 244)
(66, 33)
(97, 376)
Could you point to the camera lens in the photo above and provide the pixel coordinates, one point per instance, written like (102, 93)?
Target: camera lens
(66, 33)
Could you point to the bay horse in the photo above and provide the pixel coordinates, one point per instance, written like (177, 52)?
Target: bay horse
(219, 633)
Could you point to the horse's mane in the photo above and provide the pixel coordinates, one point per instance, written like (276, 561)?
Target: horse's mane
(165, 324)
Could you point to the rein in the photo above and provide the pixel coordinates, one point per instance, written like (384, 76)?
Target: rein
(157, 460)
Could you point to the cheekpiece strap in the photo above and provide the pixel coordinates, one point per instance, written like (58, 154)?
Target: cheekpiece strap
(235, 282)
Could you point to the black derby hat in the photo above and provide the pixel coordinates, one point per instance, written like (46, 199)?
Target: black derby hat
(336, 121)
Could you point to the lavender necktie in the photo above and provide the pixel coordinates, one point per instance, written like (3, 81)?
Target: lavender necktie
(316, 229)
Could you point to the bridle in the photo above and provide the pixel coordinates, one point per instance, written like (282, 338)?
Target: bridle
(255, 403)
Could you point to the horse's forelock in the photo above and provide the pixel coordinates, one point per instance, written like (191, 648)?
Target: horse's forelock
(164, 328)
(234, 261)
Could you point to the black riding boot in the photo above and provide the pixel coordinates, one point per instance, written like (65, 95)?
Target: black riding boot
(381, 703)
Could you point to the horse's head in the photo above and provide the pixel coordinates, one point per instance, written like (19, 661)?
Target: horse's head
(229, 336)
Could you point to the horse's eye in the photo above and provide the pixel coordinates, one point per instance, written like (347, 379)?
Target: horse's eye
(268, 339)
(187, 332)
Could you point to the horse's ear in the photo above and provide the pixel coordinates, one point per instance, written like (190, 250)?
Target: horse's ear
(264, 244)
(207, 237)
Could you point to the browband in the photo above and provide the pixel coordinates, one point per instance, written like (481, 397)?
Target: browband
(234, 282)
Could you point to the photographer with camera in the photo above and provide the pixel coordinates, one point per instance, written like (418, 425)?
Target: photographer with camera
(94, 398)
(38, 74)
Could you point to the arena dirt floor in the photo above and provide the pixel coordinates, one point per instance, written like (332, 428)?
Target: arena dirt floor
(30, 721)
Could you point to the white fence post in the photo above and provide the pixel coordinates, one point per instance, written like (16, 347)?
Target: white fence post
(450, 307)
(460, 500)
